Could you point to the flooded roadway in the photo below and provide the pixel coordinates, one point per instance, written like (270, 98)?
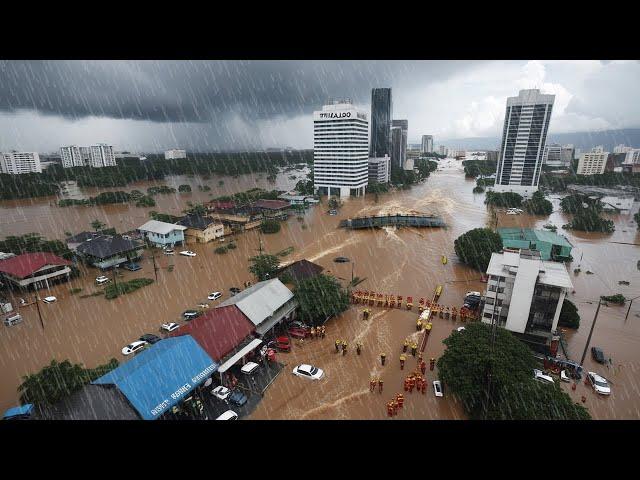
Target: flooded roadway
(405, 262)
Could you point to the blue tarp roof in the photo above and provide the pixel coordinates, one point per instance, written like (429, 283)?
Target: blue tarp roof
(158, 378)
(15, 411)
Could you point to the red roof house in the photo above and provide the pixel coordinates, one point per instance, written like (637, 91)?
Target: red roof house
(219, 331)
(33, 267)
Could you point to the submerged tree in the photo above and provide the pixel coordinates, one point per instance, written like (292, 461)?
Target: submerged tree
(476, 246)
(319, 298)
(264, 266)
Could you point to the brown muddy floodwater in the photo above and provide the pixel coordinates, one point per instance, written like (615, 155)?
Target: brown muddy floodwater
(404, 262)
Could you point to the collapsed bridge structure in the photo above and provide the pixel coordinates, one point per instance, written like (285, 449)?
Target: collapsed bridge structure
(398, 220)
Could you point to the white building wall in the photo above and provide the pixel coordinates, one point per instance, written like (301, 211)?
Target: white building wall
(175, 154)
(592, 163)
(17, 163)
(102, 156)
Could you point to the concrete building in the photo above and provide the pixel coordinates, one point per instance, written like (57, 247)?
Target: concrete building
(442, 150)
(71, 156)
(17, 163)
(524, 135)
(162, 234)
(102, 156)
(612, 199)
(381, 115)
(399, 130)
(492, 155)
(175, 154)
(427, 144)
(525, 295)
(556, 155)
(593, 162)
(632, 157)
(622, 148)
(340, 149)
(379, 170)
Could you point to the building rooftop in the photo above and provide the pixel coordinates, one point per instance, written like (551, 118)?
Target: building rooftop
(82, 237)
(301, 270)
(21, 266)
(105, 246)
(261, 300)
(549, 273)
(598, 191)
(197, 222)
(270, 204)
(531, 235)
(92, 402)
(161, 228)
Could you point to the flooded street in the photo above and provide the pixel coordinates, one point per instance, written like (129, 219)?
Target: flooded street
(404, 262)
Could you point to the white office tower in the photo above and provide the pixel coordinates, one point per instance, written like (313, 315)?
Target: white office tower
(526, 122)
(622, 149)
(175, 154)
(340, 149)
(379, 169)
(71, 156)
(632, 157)
(556, 155)
(15, 163)
(427, 144)
(102, 156)
(593, 162)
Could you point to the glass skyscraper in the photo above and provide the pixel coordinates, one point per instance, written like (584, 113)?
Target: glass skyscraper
(381, 115)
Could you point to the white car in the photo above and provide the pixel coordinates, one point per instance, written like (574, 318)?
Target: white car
(203, 305)
(49, 299)
(249, 368)
(168, 251)
(308, 371)
(214, 295)
(599, 384)
(101, 280)
(188, 253)
(170, 327)
(475, 294)
(221, 392)
(437, 388)
(134, 347)
(541, 377)
(460, 329)
(228, 415)
(564, 377)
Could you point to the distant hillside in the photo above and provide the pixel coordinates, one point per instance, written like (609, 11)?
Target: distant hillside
(581, 140)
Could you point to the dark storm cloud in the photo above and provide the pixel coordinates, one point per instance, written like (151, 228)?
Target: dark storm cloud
(200, 91)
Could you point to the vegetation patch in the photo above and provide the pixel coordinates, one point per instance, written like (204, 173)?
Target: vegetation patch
(569, 316)
(270, 226)
(476, 246)
(618, 298)
(114, 290)
(319, 298)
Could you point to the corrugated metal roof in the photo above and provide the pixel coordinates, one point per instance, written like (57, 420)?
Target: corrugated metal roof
(161, 228)
(259, 301)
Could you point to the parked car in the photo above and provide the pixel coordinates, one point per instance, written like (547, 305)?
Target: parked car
(564, 377)
(101, 280)
(13, 320)
(281, 344)
(333, 212)
(238, 398)
(474, 294)
(598, 355)
(169, 327)
(132, 267)
(150, 338)
(460, 329)
(234, 291)
(249, 368)
(228, 415)
(298, 324)
(437, 388)
(214, 296)
(541, 377)
(299, 332)
(599, 384)
(168, 251)
(49, 299)
(191, 314)
(203, 305)
(308, 371)
(221, 392)
(188, 253)
(134, 347)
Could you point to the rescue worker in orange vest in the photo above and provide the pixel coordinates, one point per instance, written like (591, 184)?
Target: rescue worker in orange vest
(405, 346)
(418, 381)
(414, 349)
(383, 357)
(344, 347)
(432, 363)
(372, 384)
(419, 325)
(400, 400)
(406, 384)
(338, 344)
(424, 387)
(423, 366)
(313, 332)
(358, 348)
(390, 409)
(412, 383)
(402, 360)
(380, 384)
(394, 403)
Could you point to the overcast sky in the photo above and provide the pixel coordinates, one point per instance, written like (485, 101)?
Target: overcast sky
(202, 105)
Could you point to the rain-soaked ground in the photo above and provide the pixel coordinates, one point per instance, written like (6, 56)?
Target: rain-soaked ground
(404, 262)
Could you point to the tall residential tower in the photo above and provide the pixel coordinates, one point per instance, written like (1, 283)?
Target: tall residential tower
(340, 149)
(526, 122)
(427, 144)
(381, 115)
(399, 131)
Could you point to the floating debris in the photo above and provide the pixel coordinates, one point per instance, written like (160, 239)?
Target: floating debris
(623, 282)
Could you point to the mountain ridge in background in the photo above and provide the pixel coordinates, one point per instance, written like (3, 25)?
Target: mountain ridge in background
(582, 140)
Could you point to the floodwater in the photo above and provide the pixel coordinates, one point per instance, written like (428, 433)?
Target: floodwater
(404, 262)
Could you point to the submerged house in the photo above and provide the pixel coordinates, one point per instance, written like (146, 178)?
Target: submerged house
(550, 245)
(38, 269)
(106, 251)
(162, 234)
(201, 229)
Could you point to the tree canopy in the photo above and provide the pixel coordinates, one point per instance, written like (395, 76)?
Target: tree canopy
(264, 266)
(467, 363)
(476, 246)
(538, 205)
(503, 200)
(320, 297)
(569, 316)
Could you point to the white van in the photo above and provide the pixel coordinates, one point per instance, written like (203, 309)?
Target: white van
(13, 320)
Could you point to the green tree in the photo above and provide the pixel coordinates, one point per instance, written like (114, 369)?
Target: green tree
(476, 246)
(636, 217)
(320, 297)
(538, 205)
(264, 266)
(184, 188)
(97, 225)
(198, 209)
(503, 200)
(617, 298)
(270, 226)
(467, 363)
(146, 201)
(569, 316)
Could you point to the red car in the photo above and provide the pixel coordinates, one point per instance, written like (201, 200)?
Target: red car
(299, 332)
(281, 344)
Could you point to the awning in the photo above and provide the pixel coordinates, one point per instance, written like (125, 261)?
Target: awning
(162, 376)
(233, 360)
(17, 411)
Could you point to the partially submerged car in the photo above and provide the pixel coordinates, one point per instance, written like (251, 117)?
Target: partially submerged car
(437, 388)
(134, 347)
(49, 299)
(191, 314)
(169, 327)
(540, 376)
(188, 253)
(599, 384)
(299, 332)
(132, 267)
(308, 371)
(238, 398)
(598, 355)
(282, 344)
(101, 280)
(150, 338)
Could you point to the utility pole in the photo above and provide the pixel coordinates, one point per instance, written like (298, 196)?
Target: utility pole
(351, 272)
(629, 309)
(155, 269)
(584, 354)
(38, 308)
(115, 281)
